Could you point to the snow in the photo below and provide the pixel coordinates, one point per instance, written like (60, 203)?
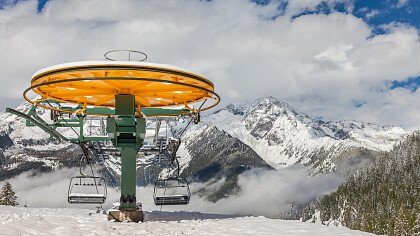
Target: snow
(44, 221)
(116, 63)
(85, 195)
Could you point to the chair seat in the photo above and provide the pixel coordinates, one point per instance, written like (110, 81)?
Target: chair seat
(172, 200)
(90, 198)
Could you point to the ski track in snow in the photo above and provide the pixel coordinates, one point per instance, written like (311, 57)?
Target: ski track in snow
(43, 221)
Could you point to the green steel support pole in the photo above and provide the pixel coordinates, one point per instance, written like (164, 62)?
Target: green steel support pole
(127, 134)
(128, 178)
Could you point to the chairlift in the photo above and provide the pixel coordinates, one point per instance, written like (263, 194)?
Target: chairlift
(171, 191)
(87, 189)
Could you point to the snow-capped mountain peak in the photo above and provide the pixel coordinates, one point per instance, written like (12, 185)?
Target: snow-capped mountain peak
(283, 136)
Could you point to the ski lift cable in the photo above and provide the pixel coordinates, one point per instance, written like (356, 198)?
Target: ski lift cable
(94, 180)
(192, 118)
(164, 193)
(86, 157)
(166, 123)
(80, 166)
(177, 168)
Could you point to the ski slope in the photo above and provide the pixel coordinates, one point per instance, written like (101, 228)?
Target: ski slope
(43, 221)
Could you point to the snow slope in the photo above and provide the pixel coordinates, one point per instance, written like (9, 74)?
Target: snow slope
(43, 221)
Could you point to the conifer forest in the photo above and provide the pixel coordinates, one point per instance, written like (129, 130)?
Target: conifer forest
(382, 199)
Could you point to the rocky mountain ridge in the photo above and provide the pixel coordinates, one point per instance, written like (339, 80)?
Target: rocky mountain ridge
(283, 136)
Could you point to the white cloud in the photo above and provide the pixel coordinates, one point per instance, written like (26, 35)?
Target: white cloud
(48, 190)
(318, 62)
(295, 7)
(267, 193)
(372, 13)
(270, 193)
(402, 3)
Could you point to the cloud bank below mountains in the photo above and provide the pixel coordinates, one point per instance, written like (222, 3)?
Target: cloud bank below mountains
(263, 192)
(322, 64)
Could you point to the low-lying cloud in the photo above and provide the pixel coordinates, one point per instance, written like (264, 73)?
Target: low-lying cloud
(263, 192)
(272, 192)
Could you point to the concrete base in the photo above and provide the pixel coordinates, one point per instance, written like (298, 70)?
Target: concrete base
(127, 215)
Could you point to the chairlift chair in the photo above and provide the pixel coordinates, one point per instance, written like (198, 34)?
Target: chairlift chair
(171, 191)
(87, 190)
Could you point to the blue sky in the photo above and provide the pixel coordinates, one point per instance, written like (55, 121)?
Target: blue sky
(386, 11)
(375, 12)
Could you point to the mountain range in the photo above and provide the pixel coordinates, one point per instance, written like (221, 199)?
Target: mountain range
(283, 136)
(266, 133)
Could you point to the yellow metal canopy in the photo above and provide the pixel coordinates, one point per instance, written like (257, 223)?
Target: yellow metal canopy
(95, 83)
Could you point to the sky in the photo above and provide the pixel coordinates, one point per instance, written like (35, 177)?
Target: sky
(333, 59)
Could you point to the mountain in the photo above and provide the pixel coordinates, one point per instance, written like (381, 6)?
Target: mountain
(25, 148)
(283, 136)
(384, 198)
(214, 154)
(266, 133)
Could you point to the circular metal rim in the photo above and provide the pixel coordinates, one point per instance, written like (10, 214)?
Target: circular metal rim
(124, 67)
(217, 97)
(106, 55)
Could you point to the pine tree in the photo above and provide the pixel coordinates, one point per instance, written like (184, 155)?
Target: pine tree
(416, 229)
(404, 222)
(7, 196)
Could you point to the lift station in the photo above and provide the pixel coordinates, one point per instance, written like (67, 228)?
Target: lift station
(122, 93)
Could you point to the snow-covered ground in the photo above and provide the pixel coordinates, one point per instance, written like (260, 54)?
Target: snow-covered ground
(44, 221)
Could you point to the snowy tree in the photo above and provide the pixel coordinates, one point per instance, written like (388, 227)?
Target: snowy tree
(416, 229)
(401, 226)
(7, 195)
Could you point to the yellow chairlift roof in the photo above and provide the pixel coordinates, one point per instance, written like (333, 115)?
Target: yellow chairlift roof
(95, 83)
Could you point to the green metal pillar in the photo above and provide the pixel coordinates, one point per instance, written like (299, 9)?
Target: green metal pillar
(128, 178)
(127, 134)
